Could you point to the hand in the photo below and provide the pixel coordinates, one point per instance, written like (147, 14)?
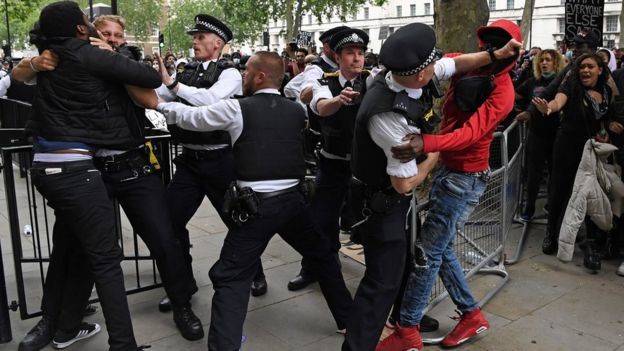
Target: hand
(542, 105)
(166, 78)
(616, 127)
(100, 42)
(433, 157)
(411, 150)
(602, 136)
(46, 61)
(523, 116)
(509, 50)
(347, 95)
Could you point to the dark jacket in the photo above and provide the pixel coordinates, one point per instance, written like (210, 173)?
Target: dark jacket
(84, 99)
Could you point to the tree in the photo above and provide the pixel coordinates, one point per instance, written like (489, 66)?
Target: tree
(456, 23)
(141, 16)
(20, 13)
(527, 19)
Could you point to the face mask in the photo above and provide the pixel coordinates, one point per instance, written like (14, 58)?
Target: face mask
(236, 61)
(548, 75)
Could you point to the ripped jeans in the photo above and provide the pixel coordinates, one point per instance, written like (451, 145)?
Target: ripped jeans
(452, 199)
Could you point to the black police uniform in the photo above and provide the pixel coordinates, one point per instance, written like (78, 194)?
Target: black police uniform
(268, 149)
(384, 234)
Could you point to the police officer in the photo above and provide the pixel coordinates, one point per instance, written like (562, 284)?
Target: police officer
(206, 165)
(303, 89)
(266, 135)
(399, 102)
(335, 103)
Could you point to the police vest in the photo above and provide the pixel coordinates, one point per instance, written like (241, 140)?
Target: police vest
(313, 119)
(195, 75)
(368, 161)
(337, 129)
(270, 146)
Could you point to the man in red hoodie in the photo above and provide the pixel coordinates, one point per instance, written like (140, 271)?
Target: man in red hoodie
(467, 129)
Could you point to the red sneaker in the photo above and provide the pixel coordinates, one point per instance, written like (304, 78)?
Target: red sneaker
(402, 339)
(470, 325)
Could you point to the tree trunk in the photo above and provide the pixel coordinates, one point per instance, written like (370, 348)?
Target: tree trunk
(621, 44)
(297, 25)
(527, 19)
(456, 23)
(289, 13)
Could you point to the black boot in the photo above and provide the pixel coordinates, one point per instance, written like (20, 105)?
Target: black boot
(301, 281)
(187, 322)
(39, 336)
(592, 259)
(259, 286)
(550, 244)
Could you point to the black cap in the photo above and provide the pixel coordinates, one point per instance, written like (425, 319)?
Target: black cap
(410, 49)
(588, 37)
(326, 37)
(60, 19)
(209, 24)
(349, 37)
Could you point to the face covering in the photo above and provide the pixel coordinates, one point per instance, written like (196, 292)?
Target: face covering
(548, 75)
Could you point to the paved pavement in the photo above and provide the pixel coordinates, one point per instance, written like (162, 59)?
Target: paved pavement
(546, 305)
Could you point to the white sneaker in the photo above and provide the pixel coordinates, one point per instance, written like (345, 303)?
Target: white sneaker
(620, 270)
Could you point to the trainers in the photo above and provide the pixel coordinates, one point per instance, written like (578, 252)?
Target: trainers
(402, 339)
(470, 325)
(64, 339)
(620, 270)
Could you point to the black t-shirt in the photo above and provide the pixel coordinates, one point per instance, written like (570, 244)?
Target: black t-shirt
(578, 118)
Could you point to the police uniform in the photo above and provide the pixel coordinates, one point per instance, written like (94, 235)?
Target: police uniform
(334, 171)
(269, 167)
(388, 112)
(206, 165)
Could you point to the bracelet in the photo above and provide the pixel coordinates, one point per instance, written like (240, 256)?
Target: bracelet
(173, 85)
(490, 51)
(32, 67)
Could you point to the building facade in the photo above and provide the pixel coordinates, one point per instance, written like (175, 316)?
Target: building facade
(547, 28)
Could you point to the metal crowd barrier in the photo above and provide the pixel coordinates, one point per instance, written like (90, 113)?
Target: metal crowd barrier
(30, 225)
(480, 246)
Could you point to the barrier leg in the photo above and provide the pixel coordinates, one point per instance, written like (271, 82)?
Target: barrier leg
(5, 322)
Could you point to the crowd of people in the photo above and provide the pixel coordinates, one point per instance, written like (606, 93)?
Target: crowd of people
(368, 124)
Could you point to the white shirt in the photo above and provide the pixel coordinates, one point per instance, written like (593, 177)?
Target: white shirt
(388, 129)
(5, 84)
(230, 83)
(313, 73)
(222, 115)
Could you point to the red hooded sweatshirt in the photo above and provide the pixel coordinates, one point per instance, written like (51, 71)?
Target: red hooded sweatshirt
(465, 138)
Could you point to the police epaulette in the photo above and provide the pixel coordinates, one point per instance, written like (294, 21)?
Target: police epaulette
(238, 96)
(331, 74)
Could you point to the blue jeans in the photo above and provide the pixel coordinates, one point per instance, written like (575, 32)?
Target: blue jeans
(452, 199)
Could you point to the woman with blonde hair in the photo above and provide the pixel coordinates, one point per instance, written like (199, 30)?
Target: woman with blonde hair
(542, 129)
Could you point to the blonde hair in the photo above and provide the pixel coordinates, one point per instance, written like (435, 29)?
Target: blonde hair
(557, 59)
(111, 18)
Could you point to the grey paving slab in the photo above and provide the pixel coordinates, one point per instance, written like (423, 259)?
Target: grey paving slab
(534, 333)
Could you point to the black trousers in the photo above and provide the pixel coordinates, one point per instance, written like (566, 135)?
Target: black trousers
(332, 187)
(193, 180)
(288, 216)
(567, 152)
(539, 154)
(384, 240)
(77, 194)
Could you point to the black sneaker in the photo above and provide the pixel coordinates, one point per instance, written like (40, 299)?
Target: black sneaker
(64, 339)
(39, 336)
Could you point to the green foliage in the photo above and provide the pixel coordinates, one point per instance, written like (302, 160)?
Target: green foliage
(141, 16)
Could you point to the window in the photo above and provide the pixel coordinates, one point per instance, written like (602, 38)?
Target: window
(612, 24)
(399, 10)
(366, 13)
(561, 25)
(492, 4)
(510, 4)
(413, 10)
(427, 9)
(309, 19)
(275, 23)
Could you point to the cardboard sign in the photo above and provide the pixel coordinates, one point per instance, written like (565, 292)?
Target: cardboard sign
(304, 39)
(583, 15)
(383, 32)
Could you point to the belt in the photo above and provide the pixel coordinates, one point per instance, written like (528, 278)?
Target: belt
(480, 174)
(204, 154)
(128, 160)
(270, 194)
(63, 166)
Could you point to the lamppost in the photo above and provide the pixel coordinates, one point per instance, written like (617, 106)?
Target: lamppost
(6, 16)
